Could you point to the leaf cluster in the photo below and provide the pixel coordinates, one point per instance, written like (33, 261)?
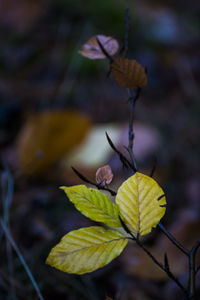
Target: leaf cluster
(140, 204)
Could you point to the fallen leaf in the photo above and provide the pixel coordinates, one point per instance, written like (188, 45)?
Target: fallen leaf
(92, 50)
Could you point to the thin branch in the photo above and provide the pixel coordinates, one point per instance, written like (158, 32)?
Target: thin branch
(173, 240)
(198, 268)
(104, 51)
(127, 23)
(98, 186)
(13, 244)
(132, 99)
(192, 273)
(7, 185)
(164, 267)
(126, 163)
(161, 266)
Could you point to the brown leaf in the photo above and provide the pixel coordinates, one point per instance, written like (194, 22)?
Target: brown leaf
(104, 175)
(92, 50)
(46, 137)
(128, 73)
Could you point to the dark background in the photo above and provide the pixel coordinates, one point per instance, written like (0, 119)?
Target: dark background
(41, 72)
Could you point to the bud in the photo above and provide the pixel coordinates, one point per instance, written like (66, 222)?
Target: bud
(104, 175)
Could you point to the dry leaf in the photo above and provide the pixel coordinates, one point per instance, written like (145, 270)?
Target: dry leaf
(104, 175)
(128, 73)
(48, 136)
(92, 50)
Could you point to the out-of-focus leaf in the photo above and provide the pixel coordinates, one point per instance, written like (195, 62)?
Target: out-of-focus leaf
(92, 50)
(20, 14)
(46, 137)
(95, 150)
(128, 73)
(104, 175)
(93, 204)
(86, 249)
(140, 201)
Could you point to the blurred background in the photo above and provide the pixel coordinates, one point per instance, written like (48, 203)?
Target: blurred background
(55, 107)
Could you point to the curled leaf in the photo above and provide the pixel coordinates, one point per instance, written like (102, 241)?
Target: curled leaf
(104, 175)
(93, 204)
(141, 203)
(128, 73)
(92, 50)
(86, 249)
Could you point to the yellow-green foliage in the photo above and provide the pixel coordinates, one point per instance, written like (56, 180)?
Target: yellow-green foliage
(86, 249)
(137, 199)
(93, 204)
(140, 203)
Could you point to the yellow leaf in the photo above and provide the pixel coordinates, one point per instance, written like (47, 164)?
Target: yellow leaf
(93, 204)
(128, 73)
(86, 249)
(92, 50)
(48, 136)
(141, 203)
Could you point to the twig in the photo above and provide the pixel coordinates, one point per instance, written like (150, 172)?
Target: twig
(13, 244)
(99, 186)
(163, 267)
(104, 51)
(127, 23)
(192, 273)
(7, 185)
(133, 99)
(126, 163)
(173, 240)
(198, 268)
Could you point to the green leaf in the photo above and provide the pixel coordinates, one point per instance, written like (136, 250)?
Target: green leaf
(141, 203)
(86, 249)
(93, 204)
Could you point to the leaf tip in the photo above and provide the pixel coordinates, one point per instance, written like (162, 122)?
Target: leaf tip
(62, 187)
